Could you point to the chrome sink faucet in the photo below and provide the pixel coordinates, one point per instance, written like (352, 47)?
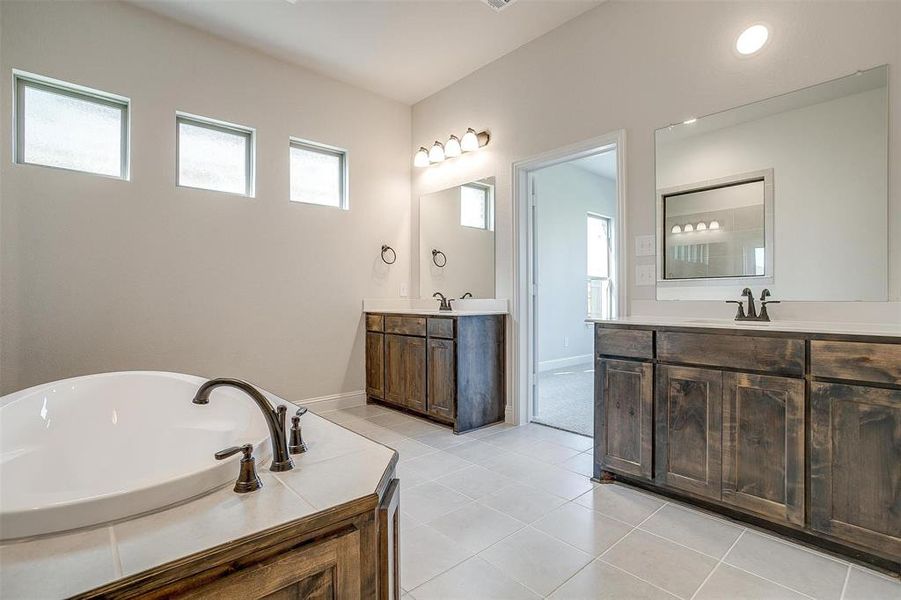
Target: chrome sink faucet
(445, 302)
(752, 309)
(275, 419)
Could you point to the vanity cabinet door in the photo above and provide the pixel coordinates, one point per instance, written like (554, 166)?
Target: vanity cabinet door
(689, 411)
(623, 420)
(394, 368)
(763, 445)
(375, 364)
(327, 570)
(855, 465)
(442, 378)
(414, 373)
(405, 371)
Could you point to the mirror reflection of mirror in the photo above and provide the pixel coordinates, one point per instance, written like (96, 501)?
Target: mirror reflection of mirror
(717, 230)
(459, 221)
(825, 211)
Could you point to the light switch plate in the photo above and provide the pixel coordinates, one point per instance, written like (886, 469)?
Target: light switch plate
(644, 274)
(644, 245)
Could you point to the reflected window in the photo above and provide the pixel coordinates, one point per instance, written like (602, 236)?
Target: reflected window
(70, 127)
(213, 155)
(475, 206)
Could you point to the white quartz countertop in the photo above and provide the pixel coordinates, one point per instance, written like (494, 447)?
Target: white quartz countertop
(816, 327)
(340, 466)
(438, 313)
(429, 307)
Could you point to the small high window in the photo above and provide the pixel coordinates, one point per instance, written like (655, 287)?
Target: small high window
(68, 126)
(475, 206)
(213, 155)
(318, 174)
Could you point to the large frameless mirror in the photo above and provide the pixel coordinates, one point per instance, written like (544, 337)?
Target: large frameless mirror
(790, 193)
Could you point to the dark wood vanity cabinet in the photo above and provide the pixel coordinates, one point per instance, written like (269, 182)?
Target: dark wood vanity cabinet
(801, 431)
(449, 369)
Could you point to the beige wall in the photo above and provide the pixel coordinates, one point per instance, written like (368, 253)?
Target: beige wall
(101, 275)
(642, 65)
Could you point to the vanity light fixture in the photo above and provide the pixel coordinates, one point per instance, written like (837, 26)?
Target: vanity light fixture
(752, 39)
(702, 226)
(421, 159)
(714, 225)
(676, 229)
(688, 228)
(452, 148)
(436, 153)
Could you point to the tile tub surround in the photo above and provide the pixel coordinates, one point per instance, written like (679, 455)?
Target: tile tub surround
(339, 467)
(525, 538)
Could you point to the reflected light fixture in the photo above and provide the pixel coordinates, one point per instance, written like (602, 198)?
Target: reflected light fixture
(436, 153)
(702, 226)
(714, 225)
(452, 148)
(421, 159)
(688, 227)
(676, 229)
(752, 39)
(689, 121)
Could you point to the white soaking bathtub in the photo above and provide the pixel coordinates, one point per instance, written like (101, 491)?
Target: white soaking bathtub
(98, 448)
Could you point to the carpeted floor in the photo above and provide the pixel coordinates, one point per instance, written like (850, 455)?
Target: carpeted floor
(565, 399)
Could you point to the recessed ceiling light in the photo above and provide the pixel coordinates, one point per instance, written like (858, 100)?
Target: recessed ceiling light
(752, 39)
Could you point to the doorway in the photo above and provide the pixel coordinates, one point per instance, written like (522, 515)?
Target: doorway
(572, 257)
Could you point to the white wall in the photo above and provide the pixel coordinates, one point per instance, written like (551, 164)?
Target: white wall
(469, 251)
(100, 274)
(829, 165)
(642, 65)
(565, 196)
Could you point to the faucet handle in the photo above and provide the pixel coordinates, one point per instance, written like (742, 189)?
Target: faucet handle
(296, 445)
(764, 294)
(741, 308)
(248, 480)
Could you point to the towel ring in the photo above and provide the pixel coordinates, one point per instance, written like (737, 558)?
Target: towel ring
(435, 255)
(385, 249)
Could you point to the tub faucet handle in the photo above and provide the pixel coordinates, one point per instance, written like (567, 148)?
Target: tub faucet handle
(248, 480)
(296, 445)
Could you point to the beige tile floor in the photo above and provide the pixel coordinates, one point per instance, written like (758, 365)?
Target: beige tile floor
(509, 512)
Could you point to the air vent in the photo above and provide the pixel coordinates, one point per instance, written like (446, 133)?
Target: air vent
(498, 5)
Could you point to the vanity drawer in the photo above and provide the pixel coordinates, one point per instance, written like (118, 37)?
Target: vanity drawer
(441, 328)
(405, 325)
(375, 322)
(773, 355)
(634, 343)
(859, 361)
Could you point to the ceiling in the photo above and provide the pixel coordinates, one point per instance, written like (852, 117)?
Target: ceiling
(603, 164)
(402, 49)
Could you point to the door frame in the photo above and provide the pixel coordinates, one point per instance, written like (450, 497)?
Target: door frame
(524, 259)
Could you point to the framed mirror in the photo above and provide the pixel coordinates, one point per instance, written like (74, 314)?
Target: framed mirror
(456, 241)
(789, 193)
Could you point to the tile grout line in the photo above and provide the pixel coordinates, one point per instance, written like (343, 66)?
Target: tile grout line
(634, 527)
(717, 565)
(845, 584)
(637, 577)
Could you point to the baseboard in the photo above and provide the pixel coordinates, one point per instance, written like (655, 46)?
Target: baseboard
(335, 401)
(560, 363)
